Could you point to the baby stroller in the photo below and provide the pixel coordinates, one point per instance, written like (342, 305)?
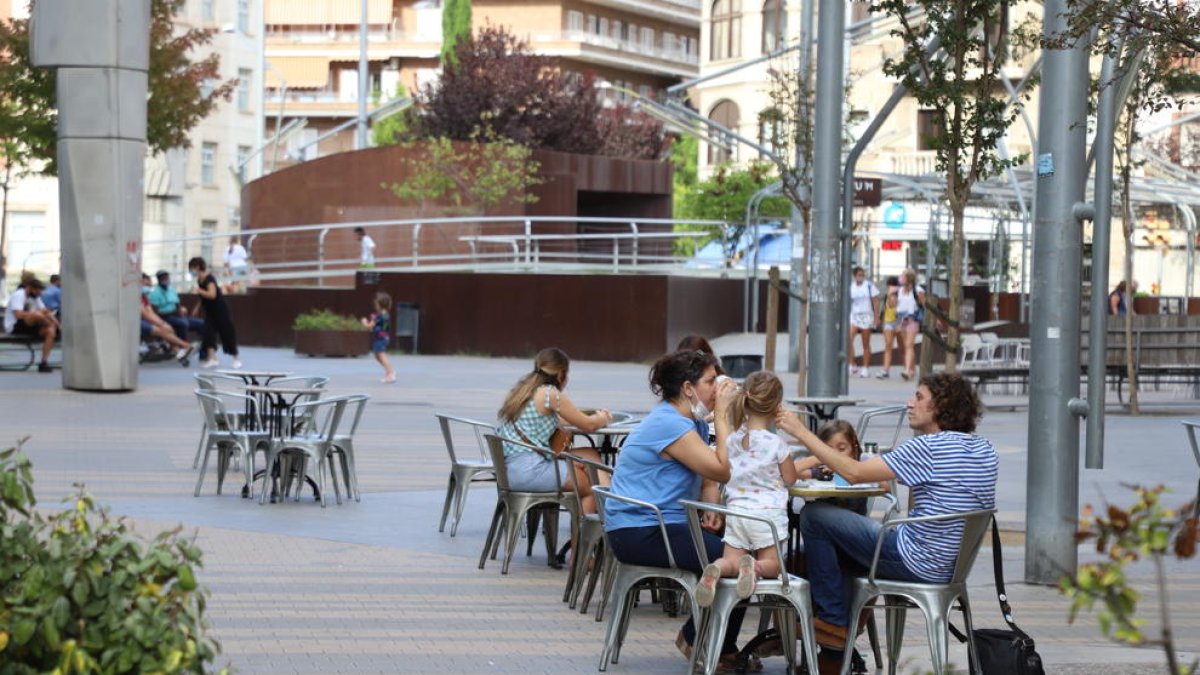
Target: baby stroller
(155, 349)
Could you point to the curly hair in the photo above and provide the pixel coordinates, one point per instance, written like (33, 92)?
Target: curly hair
(956, 406)
(671, 371)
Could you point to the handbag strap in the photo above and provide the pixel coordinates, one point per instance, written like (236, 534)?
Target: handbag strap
(1001, 594)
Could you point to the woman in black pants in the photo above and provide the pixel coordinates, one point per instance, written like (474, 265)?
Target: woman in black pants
(218, 321)
(667, 458)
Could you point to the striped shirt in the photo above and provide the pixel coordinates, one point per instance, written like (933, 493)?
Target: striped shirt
(948, 472)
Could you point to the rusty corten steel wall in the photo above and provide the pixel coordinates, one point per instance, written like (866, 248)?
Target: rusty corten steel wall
(595, 317)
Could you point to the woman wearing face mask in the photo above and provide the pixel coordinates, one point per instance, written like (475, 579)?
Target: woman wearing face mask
(667, 458)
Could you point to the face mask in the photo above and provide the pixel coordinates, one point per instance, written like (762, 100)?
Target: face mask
(164, 283)
(146, 290)
(699, 410)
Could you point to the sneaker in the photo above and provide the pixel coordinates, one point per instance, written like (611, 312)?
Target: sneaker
(183, 354)
(44, 367)
(864, 373)
(746, 578)
(389, 378)
(211, 363)
(883, 375)
(706, 589)
(237, 365)
(853, 371)
(905, 376)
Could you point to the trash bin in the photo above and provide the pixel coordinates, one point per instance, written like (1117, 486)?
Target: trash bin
(739, 366)
(408, 324)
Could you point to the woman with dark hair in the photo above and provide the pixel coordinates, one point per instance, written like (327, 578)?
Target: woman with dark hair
(531, 413)
(665, 459)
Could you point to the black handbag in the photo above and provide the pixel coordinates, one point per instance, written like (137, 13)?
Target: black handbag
(1003, 652)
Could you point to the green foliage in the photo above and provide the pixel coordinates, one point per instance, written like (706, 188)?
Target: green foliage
(724, 196)
(393, 129)
(487, 172)
(80, 593)
(685, 159)
(456, 25)
(1147, 530)
(326, 319)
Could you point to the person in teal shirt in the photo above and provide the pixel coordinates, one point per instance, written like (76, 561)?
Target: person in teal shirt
(165, 300)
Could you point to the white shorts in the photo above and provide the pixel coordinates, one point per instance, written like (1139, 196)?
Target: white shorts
(752, 535)
(863, 321)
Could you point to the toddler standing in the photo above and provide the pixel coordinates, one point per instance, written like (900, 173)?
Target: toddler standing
(761, 471)
(380, 323)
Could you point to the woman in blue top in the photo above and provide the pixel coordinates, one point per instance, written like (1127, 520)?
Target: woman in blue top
(667, 458)
(531, 413)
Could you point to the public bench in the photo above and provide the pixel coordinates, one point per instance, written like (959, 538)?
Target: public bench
(18, 352)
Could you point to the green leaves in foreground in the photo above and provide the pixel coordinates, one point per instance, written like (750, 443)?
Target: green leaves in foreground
(80, 593)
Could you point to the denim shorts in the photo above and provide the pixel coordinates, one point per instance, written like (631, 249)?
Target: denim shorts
(531, 472)
(379, 344)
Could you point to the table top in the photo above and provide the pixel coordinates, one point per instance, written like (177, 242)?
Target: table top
(252, 373)
(622, 423)
(824, 400)
(821, 489)
(268, 389)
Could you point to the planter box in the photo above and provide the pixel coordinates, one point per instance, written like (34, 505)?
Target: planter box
(333, 342)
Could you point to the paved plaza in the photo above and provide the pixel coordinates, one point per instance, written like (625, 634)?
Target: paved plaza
(373, 587)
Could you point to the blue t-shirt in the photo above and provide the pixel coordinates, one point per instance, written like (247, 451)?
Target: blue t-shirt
(642, 472)
(52, 297)
(948, 472)
(165, 300)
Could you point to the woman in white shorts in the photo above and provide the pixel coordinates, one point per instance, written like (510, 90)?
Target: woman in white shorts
(864, 310)
(909, 301)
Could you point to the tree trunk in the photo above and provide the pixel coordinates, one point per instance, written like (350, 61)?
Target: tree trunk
(957, 246)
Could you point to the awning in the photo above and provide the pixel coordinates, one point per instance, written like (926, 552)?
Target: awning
(298, 72)
(325, 12)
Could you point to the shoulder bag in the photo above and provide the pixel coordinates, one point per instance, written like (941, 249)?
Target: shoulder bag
(1003, 652)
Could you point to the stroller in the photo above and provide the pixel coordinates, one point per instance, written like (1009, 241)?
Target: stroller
(155, 350)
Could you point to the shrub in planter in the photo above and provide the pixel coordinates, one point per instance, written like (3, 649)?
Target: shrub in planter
(80, 593)
(323, 332)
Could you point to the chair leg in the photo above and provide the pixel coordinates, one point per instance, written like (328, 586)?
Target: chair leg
(450, 493)
(462, 484)
(610, 573)
(599, 561)
(936, 626)
(972, 652)
(491, 535)
(627, 604)
(610, 635)
(873, 638)
(532, 518)
(200, 446)
(512, 522)
(894, 627)
(203, 469)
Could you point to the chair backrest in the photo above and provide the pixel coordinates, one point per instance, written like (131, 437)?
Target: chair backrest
(495, 446)
(449, 423)
(591, 467)
(694, 508)
(217, 416)
(301, 382)
(891, 418)
(1192, 428)
(604, 494)
(975, 527)
(211, 381)
(355, 404)
(321, 418)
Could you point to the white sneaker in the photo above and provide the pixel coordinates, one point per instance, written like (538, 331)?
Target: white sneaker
(211, 363)
(237, 365)
(864, 373)
(853, 371)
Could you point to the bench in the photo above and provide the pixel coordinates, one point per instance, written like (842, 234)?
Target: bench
(18, 352)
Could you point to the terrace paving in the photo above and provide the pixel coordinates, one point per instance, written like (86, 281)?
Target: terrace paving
(373, 587)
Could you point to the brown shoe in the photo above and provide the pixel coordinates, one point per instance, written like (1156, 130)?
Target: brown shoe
(829, 635)
(829, 662)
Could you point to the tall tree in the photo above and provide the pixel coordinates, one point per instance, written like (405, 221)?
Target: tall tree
(456, 25)
(184, 89)
(962, 82)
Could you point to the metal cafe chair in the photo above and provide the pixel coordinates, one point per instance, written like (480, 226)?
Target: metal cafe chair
(788, 596)
(315, 443)
(1192, 428)
(891, 430)
(934, 600)
(222, 436)
(210, 382)
(513, 505)
(343, 445)
(463, 470)
(628, 579)
(589, 546)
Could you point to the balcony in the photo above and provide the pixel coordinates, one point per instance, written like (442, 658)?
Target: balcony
(918, 163)
(684, 12)
(628, 47)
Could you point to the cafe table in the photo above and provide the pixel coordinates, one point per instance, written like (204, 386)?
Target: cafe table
(611, 436)
(823, 408)
(276, 406)
(254, 377)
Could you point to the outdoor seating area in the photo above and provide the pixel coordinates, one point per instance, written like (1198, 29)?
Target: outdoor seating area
(304, 436)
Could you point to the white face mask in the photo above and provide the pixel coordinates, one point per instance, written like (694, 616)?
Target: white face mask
(700, 411)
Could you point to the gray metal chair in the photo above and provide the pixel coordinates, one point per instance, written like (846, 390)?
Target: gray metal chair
(211, 382)
(934, 600)
(786, 596)
(628, 579)
(876, 417)
(222, 436)
(1192, 428)
(463, 470)
(513, 505)
(343, 444)
(589, 546)
(315, 443)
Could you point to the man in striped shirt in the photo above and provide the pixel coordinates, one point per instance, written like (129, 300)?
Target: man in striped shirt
(949, 470)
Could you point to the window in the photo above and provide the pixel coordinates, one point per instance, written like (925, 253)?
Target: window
(208, 162)
(208, 230)
(618, 30)
(726, 30)
(929, 128)
(27, 240)
(669, 44)
(243, 89)
(574, 21)
(774, 25)
(645, 91)
(647, 38)
(593, 24)
(207, 10)
(206, 88)
(243, 19)
(243, 155)
(724, 113)
(603, 29)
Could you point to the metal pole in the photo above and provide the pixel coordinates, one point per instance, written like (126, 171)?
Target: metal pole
(800, 252)
(826, 245)
(1052, 474)
(360, 138)
(1106, 124)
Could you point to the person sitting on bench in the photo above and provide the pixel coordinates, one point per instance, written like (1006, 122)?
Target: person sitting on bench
(27, 315)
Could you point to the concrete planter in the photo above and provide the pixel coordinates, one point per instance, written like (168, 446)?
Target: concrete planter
(333, 342)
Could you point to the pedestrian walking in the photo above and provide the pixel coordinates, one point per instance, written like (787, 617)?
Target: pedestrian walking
(218, 320)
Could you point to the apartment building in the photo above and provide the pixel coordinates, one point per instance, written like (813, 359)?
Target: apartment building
(192, 195)
(312, 49)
